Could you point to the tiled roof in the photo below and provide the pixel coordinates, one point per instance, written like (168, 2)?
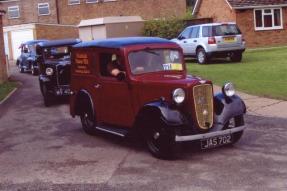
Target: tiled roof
(255, 3)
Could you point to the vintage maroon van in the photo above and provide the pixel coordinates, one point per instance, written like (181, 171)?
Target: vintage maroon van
(151, 96)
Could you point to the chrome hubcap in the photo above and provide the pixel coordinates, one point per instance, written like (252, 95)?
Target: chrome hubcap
(156, 135)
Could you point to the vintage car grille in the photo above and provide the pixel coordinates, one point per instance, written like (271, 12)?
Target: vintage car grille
(63, 74)
(203, 101)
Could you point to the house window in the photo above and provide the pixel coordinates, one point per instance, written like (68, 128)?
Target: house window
(92, 1)
(268, 19)
(74, 2)
(13, 12)
(43, 9)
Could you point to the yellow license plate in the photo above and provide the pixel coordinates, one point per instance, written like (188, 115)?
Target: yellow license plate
(229, 39)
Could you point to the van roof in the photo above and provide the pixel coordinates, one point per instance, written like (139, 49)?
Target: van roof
(122, 42)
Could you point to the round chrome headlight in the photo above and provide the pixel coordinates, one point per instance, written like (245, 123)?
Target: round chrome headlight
(178, 95)
(49, 71)
(228, 89)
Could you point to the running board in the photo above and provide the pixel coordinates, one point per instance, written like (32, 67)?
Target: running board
(113, 130)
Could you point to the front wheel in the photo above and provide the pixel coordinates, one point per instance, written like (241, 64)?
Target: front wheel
(201, 56)
(21, 70)
(34, 70)
(48, 97)
(237, 136)
(161, 143)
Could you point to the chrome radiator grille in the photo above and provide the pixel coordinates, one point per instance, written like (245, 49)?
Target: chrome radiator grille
(203, 101)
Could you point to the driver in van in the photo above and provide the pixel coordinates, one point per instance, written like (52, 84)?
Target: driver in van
(114, 67)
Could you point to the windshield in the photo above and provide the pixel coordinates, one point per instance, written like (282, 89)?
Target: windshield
(55, 53)
(154, 60)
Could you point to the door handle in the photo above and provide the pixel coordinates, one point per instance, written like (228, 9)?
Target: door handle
(184, 41)
(195, 41)
(97, 86)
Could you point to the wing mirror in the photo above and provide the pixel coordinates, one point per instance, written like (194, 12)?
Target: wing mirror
(180, 37)
(121, 76)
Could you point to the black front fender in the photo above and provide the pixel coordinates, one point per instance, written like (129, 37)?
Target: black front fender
(160, 110)
(227, 108)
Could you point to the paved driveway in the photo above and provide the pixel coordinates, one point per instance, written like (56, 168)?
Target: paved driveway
(45, 149)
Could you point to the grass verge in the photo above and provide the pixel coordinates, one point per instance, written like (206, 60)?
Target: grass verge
(6, 88)
(262, 72)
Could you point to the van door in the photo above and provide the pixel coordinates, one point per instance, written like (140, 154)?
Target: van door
(115, 97)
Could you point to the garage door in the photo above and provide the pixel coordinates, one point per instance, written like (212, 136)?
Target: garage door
(17, 38)
(6, 44)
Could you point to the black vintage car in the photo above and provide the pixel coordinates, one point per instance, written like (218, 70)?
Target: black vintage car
(54, 62)
(27, 60)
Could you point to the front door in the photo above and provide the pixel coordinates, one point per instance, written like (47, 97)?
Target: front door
(115, 96)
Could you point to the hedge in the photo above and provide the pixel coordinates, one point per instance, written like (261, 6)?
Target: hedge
(164, 28)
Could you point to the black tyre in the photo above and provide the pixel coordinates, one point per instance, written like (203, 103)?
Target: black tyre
(237, 136)
(48, 97)
(236, 57)
(161, 142)
(21, 70)
(34, 71)
(201, 56)
(88, 120)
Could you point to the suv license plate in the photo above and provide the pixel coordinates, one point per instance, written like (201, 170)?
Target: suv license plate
(229, 39)
(216, 141)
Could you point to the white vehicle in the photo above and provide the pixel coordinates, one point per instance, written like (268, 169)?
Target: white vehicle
(212, 40)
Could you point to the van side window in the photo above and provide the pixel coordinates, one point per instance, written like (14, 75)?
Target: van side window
(108, 62)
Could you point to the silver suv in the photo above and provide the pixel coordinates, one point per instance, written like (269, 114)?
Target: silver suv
(212, 40)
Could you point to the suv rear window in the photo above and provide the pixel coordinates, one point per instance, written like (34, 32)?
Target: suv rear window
(220, 30)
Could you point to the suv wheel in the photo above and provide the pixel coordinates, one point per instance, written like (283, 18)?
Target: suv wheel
(88, 120)
(236, 57)
(201, 56)
(161, 143)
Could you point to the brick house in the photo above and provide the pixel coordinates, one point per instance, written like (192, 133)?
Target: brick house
(263, 23)
(56, 19)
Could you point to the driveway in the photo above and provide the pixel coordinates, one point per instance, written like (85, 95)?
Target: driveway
(45, 149)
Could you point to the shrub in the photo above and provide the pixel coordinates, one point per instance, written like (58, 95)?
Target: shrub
(163, 28)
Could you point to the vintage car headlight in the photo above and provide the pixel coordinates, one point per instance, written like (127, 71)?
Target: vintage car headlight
(178, 95)
(228, 89)
(49, 71)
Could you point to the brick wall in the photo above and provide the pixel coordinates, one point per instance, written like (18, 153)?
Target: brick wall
(53, 32)
(29, 12)
(148, 9)
(3, 68)
(245, 21)
(218, 10)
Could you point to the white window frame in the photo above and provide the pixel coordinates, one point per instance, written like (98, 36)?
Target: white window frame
(74, 3)
(13, 7)
(101, 1)
(97, 1)
(41, 4)
(272, 15)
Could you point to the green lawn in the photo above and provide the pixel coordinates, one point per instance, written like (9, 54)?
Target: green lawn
(262, 72)
(6, 88)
